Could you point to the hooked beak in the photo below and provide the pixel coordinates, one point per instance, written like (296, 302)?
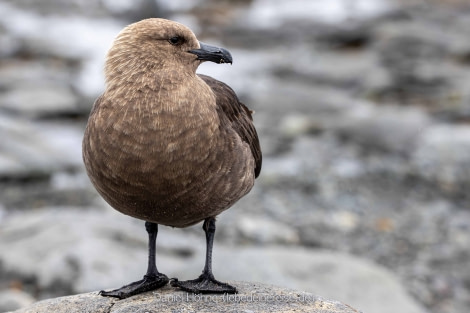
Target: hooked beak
(211, 53)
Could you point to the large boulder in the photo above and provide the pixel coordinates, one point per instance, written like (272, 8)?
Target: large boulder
(252, 297)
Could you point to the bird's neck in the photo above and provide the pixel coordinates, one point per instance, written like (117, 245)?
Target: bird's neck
(163, 93)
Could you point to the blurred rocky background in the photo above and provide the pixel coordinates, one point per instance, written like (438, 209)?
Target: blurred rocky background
(363, 112)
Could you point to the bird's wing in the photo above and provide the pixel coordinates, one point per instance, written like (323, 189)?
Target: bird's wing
(229, 107)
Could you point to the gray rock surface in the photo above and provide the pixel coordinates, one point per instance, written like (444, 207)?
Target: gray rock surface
(443, 156)
(41, 100)
(38, 148)
(11, 300)
(252, 297)
(83, 250)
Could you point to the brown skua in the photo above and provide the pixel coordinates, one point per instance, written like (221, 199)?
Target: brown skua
(166, 145)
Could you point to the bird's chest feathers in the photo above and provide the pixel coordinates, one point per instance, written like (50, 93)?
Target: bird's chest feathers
(166, 126)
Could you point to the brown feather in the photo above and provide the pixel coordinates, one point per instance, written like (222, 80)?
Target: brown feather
(163, 144)
(238, 115)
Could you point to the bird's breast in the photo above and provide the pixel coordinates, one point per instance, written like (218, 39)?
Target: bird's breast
(165, 163)
(156, 138)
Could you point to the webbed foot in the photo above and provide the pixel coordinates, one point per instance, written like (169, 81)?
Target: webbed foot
(148, 283)
(206, 283)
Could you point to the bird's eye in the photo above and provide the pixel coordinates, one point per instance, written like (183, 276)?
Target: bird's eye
(176, 40)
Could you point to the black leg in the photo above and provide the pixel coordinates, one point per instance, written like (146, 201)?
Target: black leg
(206, 283)
(151, 281)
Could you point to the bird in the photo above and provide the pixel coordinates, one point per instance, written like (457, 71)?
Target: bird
(167, 145)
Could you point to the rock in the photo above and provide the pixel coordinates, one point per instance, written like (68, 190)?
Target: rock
(14, 299)
(360, 283)
(70, 258)
(252, 297)
(8, 45)
(294, 125)
(18, 72)
(443, 156)
(387, 128)
(31, 149)
(264, 230)
(437, 26)
(264, 14)
(56, 27)
(32, 88)
(31, 100)
(74, 304)
(348, 71)
(92, 38)
(138, 10)
(423, 55)
(83, 250)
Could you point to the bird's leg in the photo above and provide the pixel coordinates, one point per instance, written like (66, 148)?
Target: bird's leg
(206, 283)
(152, 279)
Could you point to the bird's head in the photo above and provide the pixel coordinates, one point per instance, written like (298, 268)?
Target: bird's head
(158, 44)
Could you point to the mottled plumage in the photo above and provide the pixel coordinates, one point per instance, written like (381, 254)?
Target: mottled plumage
(162, 143)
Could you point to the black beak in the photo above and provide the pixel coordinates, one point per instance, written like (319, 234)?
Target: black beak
(213, 54)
